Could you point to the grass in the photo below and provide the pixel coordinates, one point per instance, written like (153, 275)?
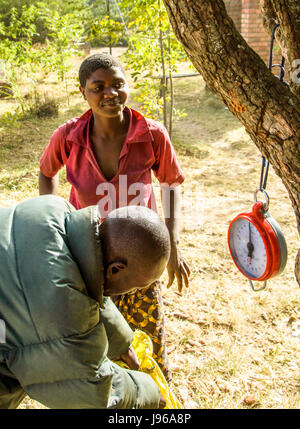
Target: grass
(229, 347)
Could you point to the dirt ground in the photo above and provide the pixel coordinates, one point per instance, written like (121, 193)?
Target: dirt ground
(228, 346)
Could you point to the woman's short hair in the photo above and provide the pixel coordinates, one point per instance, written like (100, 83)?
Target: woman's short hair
(97, 61)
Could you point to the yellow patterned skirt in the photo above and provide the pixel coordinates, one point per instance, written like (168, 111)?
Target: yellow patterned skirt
(143, 310)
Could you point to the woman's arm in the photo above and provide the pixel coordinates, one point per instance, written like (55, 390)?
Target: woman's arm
(176, 266)
(48, 185)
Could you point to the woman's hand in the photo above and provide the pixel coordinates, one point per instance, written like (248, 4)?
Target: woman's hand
(177, 267)
(162, 402)
(130, 358)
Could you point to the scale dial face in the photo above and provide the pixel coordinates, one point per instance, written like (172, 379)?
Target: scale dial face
(248, 248)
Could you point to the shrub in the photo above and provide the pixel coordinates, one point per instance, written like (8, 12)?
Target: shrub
(42, 106)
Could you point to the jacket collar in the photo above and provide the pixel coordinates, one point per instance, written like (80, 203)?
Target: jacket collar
(83, 238)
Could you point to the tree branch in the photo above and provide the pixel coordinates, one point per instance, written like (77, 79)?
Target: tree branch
(269, 15)
(287, 14)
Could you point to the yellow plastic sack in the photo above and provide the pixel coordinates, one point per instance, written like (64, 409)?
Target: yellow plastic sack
(142, 345)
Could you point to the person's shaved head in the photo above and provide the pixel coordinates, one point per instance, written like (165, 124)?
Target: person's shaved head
(136, 247)
(138, 232)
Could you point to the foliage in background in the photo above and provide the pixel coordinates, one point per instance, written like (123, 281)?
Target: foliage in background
(152, 56)
(24, 63)
(64, 38)
(75, 7)
(20, 59)
(37, 38)
(106, 24)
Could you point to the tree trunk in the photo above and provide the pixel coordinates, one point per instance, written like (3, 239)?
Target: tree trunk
(163, 82)
(287, 14)
(266, 107)
(108, 14)
(171, 90)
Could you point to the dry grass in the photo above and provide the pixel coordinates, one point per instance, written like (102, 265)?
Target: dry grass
(229, 347)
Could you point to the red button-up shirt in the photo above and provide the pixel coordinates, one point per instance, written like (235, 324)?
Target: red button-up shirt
(147, 147)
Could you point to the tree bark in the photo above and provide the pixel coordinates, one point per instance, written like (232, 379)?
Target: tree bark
(287, 14)
(267, 108)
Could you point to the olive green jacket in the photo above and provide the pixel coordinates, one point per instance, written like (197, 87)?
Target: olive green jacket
(58, 332)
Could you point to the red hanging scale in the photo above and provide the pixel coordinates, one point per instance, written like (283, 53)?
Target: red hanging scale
(256, 242)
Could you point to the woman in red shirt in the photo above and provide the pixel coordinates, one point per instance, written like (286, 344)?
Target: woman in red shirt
(109, 153)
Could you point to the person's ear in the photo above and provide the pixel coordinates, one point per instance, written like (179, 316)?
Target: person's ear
(82, 90)
(115, 269)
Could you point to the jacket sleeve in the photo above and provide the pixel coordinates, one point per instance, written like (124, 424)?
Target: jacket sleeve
(11, 393)
(118, 332)
(75, 373)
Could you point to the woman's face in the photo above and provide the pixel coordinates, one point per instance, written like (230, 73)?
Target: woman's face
(106, 92)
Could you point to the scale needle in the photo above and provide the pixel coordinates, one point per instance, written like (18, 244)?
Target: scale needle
(250, 246)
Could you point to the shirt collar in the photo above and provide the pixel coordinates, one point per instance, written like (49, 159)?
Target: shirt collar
(138, 130)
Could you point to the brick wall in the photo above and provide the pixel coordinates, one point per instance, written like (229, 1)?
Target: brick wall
(247, 17)
(234, 9)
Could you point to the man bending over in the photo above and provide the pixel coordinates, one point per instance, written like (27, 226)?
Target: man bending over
(58, 268)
